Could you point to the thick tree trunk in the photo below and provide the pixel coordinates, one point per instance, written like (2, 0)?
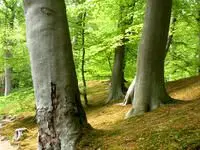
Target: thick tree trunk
(130, 93)
(117, 81)
(118, 88)
(150, 89)
(60, 115)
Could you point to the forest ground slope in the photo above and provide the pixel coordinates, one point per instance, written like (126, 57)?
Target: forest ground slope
(174, 126)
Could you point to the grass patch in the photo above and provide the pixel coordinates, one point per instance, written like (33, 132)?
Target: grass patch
(18, 102)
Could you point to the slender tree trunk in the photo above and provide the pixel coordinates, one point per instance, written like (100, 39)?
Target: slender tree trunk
(109, 63)
(170, 37)
(8, 79)
(8, 53)
(130, 93)
(150, 89)
(60, 115)
(83, 59)
(7, 74)
(81, 33)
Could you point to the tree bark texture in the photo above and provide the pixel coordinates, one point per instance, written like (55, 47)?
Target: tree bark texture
(8, 80)
(60, 115)
(8, 52)
(150, 89)
(130, 93)
(117, 80)
(118, 88)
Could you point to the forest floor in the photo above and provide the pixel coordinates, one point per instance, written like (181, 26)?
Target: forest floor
(170, 127)
(5, 145)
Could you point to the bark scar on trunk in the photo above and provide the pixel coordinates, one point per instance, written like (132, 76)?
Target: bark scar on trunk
(49, 139)
(54, 105)
(54, 96)
(47, 11)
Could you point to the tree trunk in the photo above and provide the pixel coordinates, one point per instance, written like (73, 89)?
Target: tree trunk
(117, 81)
(170, 37)
(8, 79)
(83, 59)
(130, 93)
(109, 61)
(150, 89)
(60, 115)
(118, 88)
(8, 53)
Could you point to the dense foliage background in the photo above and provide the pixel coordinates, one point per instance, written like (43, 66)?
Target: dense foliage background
(102, 35)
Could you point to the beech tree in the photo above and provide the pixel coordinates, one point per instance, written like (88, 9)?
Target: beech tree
(117, 79)
(150, 90)
(118, 88)
(83, 58)
(130, 93)
(10, 17)
(60, 115)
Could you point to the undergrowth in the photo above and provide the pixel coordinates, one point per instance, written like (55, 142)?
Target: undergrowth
(18, 102)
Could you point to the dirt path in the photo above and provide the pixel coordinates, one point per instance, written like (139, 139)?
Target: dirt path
(4, 143)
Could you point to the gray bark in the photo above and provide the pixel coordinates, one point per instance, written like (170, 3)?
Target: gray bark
(118, 88)
(60, 115)
(130, 93)
(117, 80)
(8, 53)
(8, 80)
(150, 90)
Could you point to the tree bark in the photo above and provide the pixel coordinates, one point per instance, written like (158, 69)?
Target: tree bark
(83, 59)
(150, 90)
(8, 53)
(8, 80)
(8, 74)
(130, 93)
(60, 115)
(118, 89)
(117, 80)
